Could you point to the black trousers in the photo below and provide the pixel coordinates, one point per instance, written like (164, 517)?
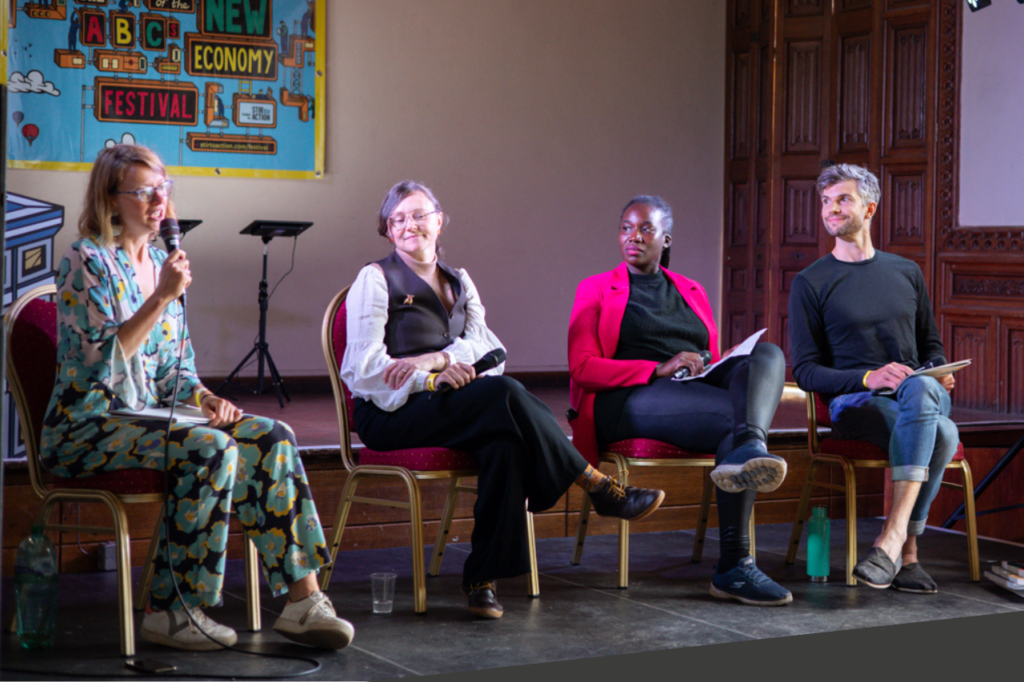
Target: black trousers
(522, 451)
(715, 413)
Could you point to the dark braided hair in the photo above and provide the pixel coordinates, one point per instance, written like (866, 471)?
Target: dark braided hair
(666, 218)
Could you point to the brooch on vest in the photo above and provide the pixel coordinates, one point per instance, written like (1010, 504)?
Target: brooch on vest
(408, 300)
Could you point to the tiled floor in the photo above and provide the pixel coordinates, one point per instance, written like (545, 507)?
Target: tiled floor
(667, 606)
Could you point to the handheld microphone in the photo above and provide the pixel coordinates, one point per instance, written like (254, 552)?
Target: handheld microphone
(684, 372)
(489, 361)
(170, 232)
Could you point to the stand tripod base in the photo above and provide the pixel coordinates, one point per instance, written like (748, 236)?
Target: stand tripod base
(263, 349)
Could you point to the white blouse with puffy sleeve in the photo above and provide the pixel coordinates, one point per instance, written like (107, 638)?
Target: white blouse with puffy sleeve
(366, 356)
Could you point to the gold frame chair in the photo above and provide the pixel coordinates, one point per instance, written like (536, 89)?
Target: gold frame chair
(114, 502)
(849, 466)
(622, 464)
(409, 477)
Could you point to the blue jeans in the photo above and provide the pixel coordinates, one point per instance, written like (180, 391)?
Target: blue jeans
(913, 425)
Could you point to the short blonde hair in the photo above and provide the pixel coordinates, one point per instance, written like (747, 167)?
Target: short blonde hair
(111, 165)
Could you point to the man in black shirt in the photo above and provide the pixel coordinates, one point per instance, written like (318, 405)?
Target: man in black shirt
(860, 320)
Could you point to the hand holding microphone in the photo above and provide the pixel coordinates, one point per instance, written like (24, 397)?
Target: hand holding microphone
(175, 273)
(460, 374)
(683, 372)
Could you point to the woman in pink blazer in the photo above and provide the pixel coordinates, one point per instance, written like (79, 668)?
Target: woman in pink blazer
(634, 330)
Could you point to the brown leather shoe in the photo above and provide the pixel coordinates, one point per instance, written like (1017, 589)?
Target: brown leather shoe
(611, 498)
(483, 602)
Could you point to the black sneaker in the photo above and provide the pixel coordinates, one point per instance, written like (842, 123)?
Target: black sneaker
(750, 467)
(611, 498)
(748, 585)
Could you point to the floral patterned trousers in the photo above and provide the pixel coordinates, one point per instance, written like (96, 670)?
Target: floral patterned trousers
(253, 466)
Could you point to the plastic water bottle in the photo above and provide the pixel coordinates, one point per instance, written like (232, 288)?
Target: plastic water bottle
(35, 590)
(818, 541)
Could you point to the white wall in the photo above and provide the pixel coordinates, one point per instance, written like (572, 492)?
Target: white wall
(991, 121)
(534, 121)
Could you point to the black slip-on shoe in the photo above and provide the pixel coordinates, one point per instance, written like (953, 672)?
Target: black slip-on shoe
(912, 578)
(876, 569)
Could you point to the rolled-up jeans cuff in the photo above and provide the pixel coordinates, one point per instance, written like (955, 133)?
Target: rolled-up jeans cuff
(916, 527)
(910, 472)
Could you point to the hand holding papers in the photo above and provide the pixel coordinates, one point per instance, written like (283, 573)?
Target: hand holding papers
(929, 371)
(745, 348)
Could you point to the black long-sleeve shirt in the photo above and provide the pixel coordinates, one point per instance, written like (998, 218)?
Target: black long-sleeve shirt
(846, 318)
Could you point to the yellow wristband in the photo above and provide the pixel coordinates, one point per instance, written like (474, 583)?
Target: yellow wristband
(200, 394)
(865, 379)
(430, 381)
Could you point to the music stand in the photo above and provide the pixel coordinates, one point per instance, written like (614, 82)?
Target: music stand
(266, 230)
(187, 226)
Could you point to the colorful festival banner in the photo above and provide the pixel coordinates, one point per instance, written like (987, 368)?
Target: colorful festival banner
(215, 87)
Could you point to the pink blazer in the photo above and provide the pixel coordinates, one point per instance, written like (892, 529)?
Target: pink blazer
(594, 336)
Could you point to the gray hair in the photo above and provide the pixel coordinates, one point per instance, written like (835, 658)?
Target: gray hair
(397, 195)
(867, 182)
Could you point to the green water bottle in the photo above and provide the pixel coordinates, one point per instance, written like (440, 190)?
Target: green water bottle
(818, 541)
(35, 590)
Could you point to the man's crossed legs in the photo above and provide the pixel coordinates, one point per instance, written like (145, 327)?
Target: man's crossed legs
(914, 426)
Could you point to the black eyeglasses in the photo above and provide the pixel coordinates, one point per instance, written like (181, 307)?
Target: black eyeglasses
(145, 194)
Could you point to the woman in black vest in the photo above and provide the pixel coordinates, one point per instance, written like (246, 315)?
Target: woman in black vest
(415, 324)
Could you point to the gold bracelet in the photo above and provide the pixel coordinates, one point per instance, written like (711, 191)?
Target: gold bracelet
(865, 379)
(430, 381)
(447, 360)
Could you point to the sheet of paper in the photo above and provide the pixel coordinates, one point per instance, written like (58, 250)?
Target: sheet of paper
(940, 371)
(182, 413)
(943, 370)
(745, 348)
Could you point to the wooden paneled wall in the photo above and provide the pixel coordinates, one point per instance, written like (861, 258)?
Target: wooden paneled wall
(876, 83)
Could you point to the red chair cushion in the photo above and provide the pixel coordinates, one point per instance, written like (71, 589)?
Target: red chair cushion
(339, 339)
(647, 448)
(419, 459)
(414, 459)
(824, 416)
(862, 450)
(33, 352)
(123, 482)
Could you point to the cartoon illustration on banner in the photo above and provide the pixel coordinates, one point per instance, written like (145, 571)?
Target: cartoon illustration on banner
(214, 86)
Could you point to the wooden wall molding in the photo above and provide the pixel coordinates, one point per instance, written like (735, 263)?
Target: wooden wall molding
(855, 93)
(986, 286)
(876, 83)
(803, 97)
(954, 237)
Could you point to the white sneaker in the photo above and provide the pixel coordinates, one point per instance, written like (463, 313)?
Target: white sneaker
(174, 628)
(313, 621)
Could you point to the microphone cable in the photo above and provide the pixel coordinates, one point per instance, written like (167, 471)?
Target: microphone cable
(167, 538)
(295, 243)
(316, 665)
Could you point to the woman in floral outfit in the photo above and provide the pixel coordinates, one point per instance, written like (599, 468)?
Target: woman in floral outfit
(120, 320)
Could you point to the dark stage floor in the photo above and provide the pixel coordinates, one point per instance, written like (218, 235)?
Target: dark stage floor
(579, 614)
